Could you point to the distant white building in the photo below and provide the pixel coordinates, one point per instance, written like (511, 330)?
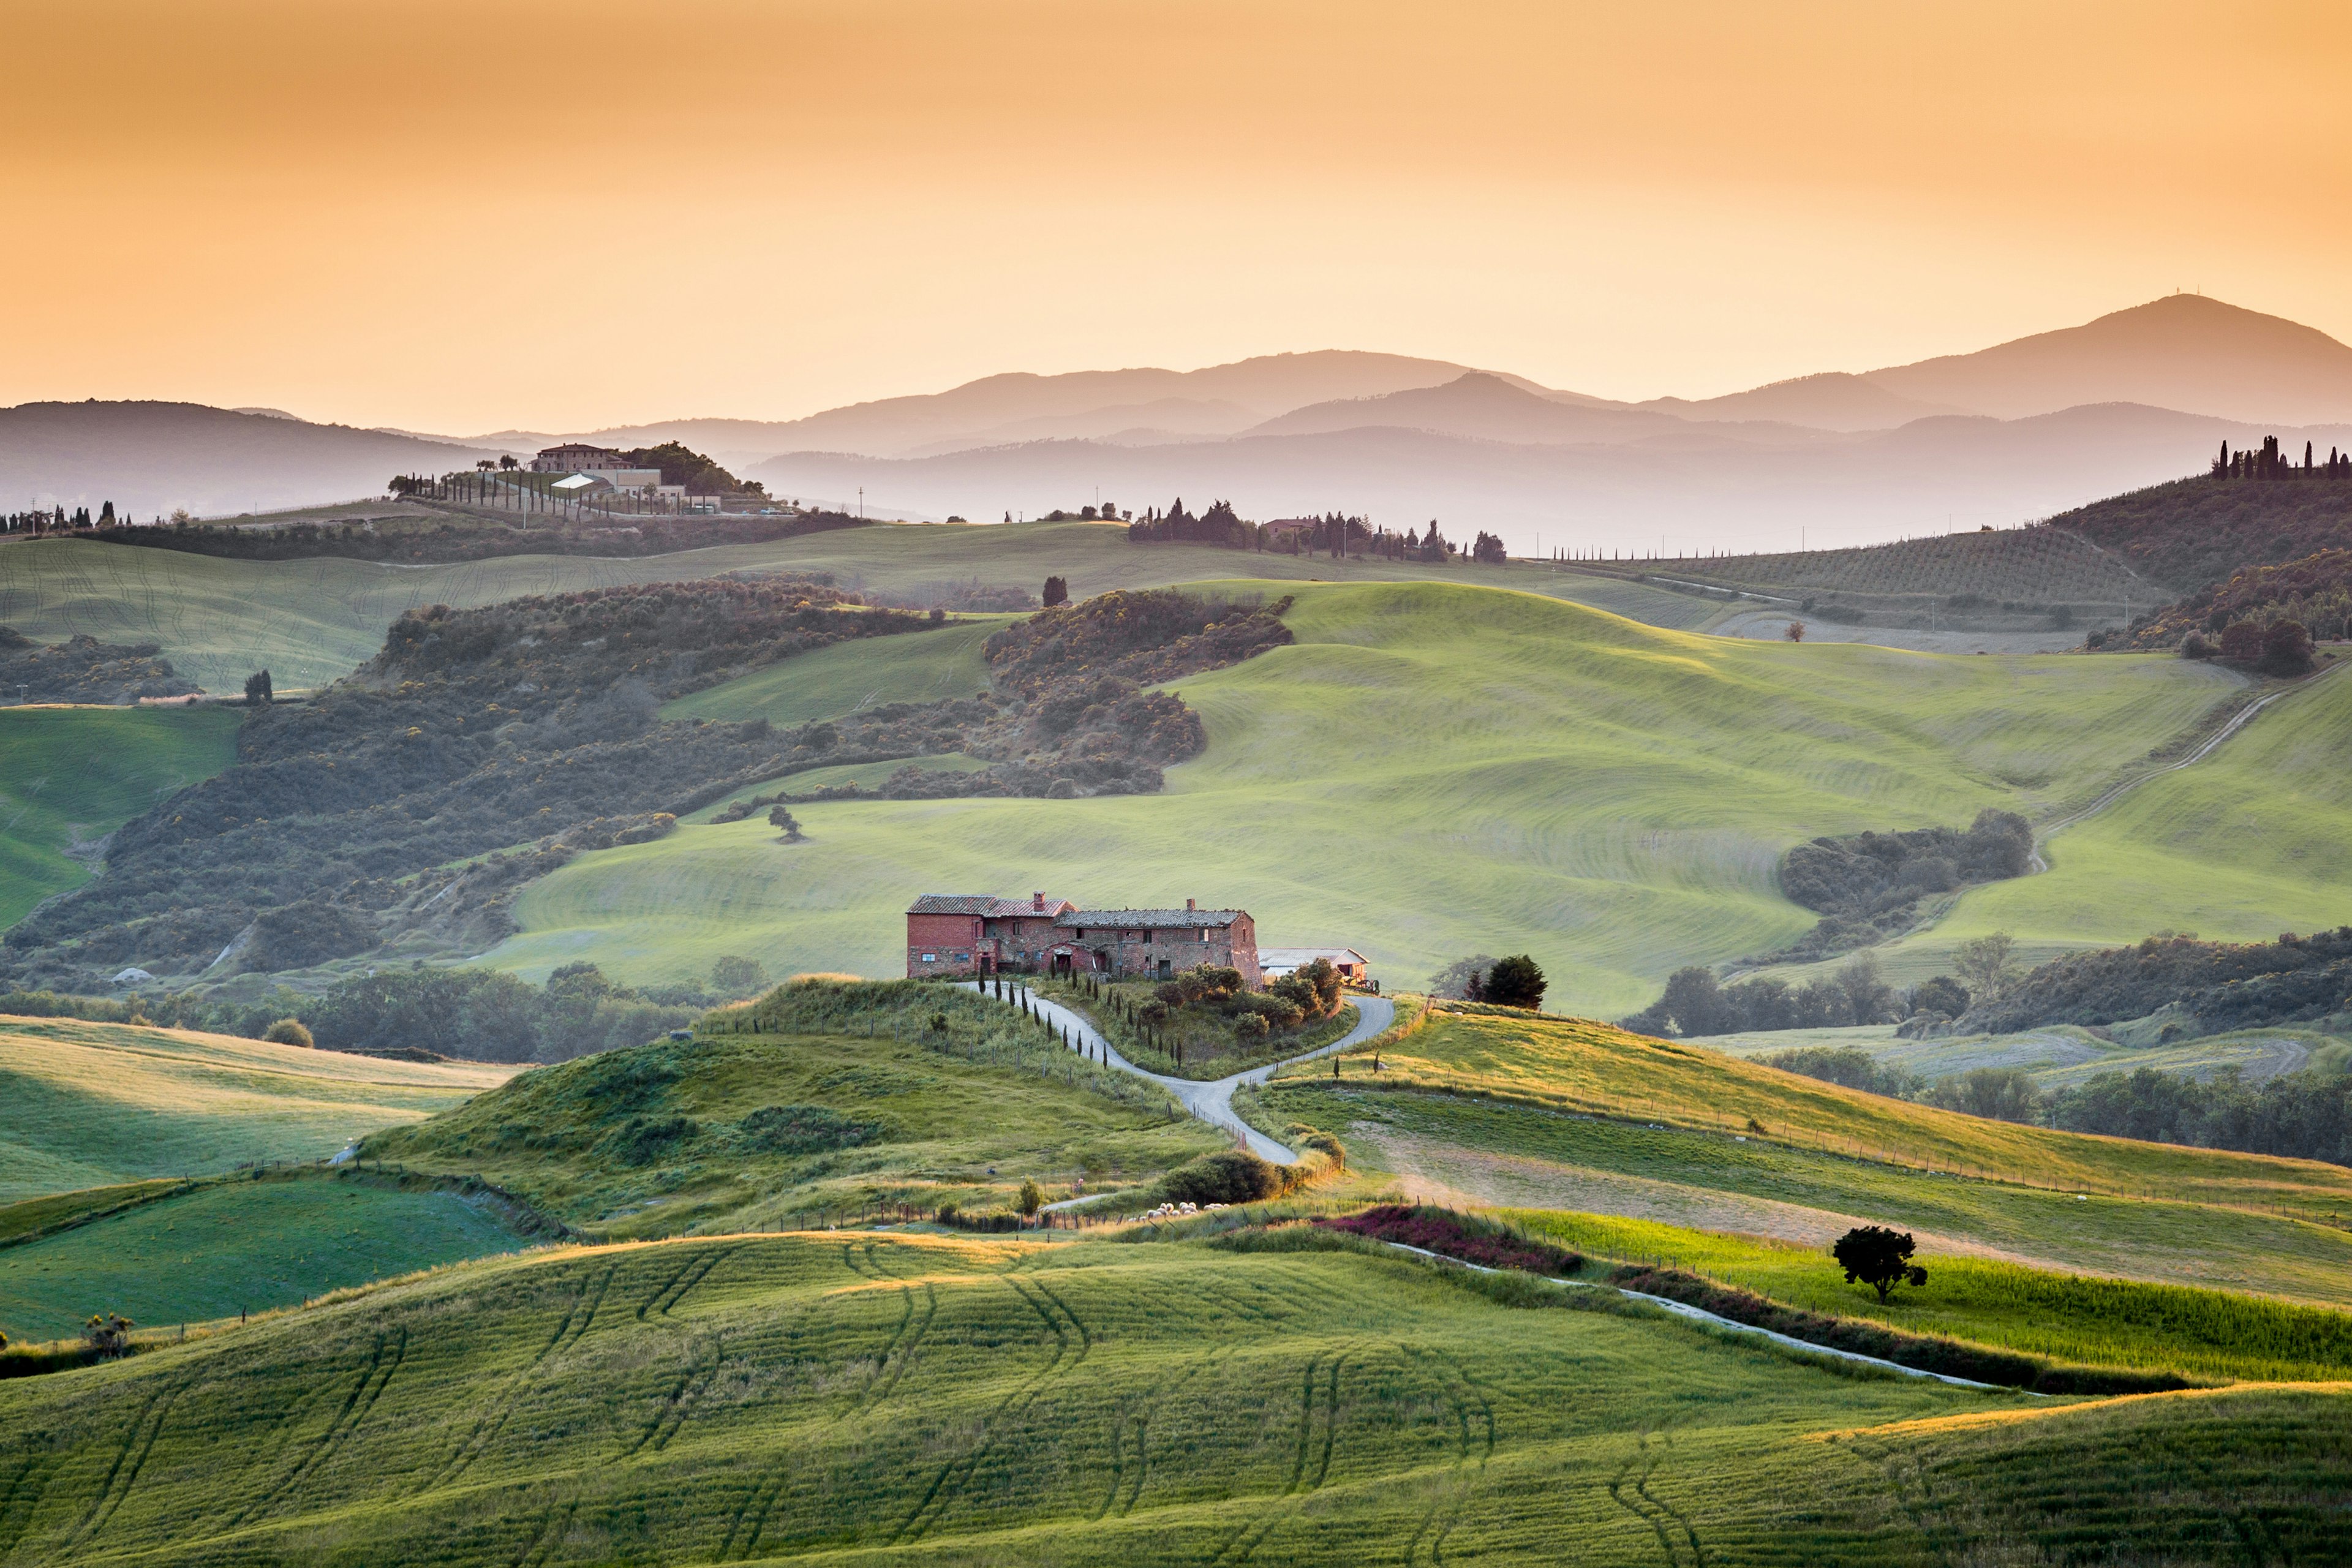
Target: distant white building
(1276, 962)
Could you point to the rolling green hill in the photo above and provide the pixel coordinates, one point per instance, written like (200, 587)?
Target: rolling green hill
(1432, 771)
(71, 775)
(885, 1399)
(311, 621)
(1557, 1114)
(93, 1104)
(862, 1105)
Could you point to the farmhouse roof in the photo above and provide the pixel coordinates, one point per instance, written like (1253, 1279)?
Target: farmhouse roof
(1150, 920)
(988, 906)
(1298, 957)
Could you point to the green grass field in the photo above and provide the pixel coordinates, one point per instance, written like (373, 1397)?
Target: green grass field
(232, 1246)
(68, 775)
(311, 621)
(878, 1399)
(2253, 840)
(1430, 770)
(913, 667)
(2095, 1321)
(89, 1105)
(664, 1139)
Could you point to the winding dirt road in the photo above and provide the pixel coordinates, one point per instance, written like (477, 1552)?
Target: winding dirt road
(1211, 1101)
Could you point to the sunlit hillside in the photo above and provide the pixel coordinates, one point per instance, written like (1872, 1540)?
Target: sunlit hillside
(1430, 770)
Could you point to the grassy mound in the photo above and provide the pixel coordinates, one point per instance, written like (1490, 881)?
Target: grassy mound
(1476, 772)
(69, 777)
(94, 1104)
(823, 1102)
(755, 1397)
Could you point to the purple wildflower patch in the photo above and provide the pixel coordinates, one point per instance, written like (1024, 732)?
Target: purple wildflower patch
(1451, 1234)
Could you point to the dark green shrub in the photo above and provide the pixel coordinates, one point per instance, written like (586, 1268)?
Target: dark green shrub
(804, 1129)
(642, 1140)
(1228, 1176)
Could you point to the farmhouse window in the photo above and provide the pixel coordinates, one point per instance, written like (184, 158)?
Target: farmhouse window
(962, 957)
(930, 958)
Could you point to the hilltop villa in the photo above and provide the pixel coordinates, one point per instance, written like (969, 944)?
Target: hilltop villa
(978, 933)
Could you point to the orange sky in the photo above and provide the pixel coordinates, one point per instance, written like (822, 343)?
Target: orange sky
(461, 217)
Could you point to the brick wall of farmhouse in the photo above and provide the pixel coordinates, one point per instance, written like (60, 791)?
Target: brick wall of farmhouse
(933, 942)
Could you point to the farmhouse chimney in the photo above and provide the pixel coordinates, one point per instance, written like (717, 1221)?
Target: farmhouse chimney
(1188, 906)
(1037, 903)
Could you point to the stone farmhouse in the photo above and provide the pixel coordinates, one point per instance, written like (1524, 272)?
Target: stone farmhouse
(977, 933)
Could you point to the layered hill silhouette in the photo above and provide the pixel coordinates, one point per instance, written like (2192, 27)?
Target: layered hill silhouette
(2009, 432)
(151, 457)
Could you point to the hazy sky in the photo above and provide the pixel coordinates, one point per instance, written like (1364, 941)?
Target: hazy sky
(462, 216)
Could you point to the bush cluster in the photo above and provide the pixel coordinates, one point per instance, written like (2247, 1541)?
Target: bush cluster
(83, 669)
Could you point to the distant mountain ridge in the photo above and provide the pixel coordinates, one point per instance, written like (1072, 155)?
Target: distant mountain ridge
(151, 457)
(2023, 428)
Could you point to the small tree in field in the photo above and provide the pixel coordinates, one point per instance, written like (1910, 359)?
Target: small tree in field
(1032, 1196)
(107, 1334)
(1056, 592)
(780, 818)
(289, 1032)
(1796, 632)
(1516, 981)
(1878, 1258)
(735, 975)
(257, 688)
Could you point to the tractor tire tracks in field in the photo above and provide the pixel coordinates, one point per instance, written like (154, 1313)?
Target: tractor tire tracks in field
(364, 1392)
(957, 1473)
(1631, 1491)
(889, 1365)
(1474, 1417)
(1310, 1463)
(123, 1474)
(569, 1330)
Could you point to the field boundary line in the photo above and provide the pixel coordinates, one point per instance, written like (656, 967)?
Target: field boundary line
(1975, 1418)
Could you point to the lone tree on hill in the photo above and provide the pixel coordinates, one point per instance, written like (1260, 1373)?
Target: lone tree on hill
(1032, 1197)
(781, 817)
(1878, 1258)
(257, 688)
(1796, 632)
(1516, 981)
(1056, 592)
